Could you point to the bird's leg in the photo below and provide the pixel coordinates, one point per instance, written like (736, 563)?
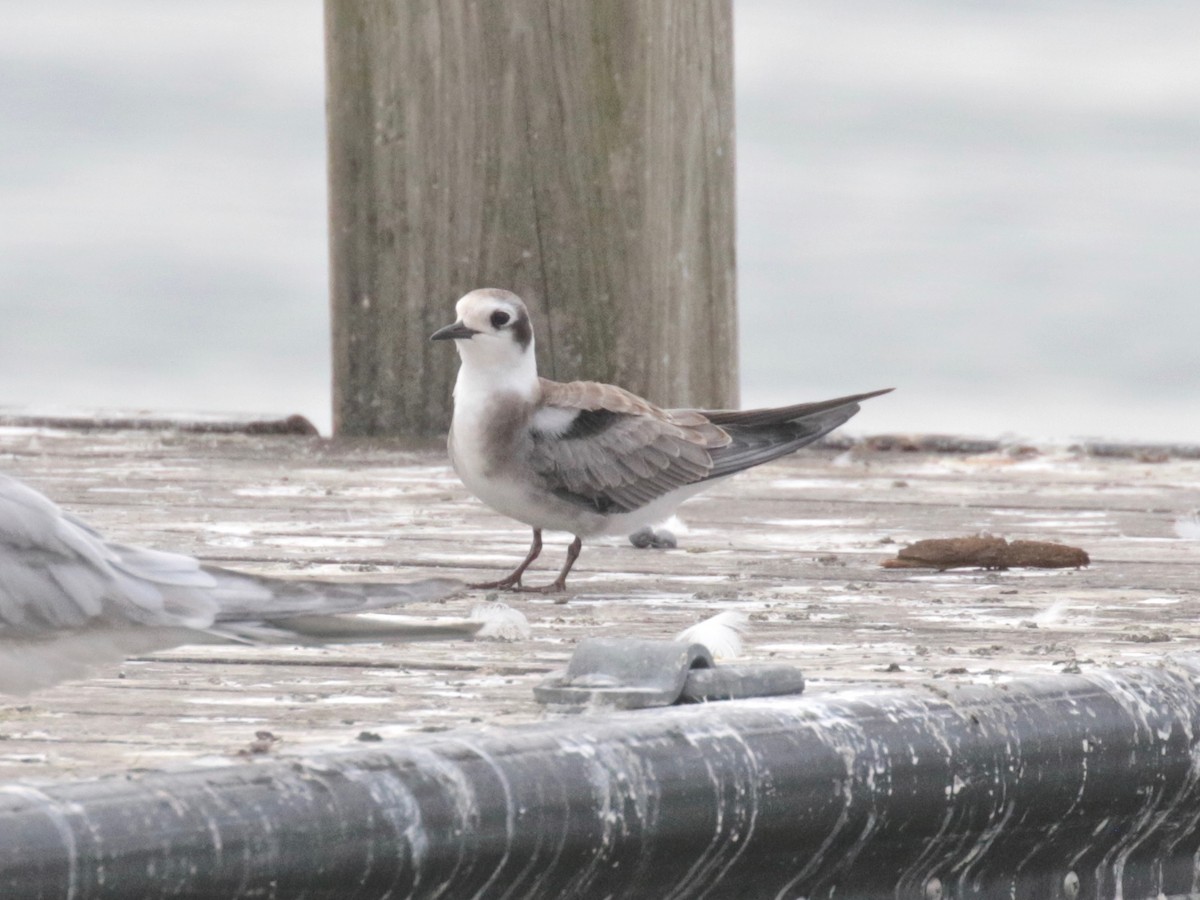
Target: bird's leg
(512, 581)
(560, 583)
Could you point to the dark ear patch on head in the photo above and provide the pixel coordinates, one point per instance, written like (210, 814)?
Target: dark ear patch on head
(522, 330)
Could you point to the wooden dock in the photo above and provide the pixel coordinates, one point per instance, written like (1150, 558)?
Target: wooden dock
(796, 545)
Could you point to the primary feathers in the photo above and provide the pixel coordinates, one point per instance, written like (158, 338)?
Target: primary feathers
(69, 599)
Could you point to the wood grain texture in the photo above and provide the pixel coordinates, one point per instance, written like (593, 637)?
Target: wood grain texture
(579, 154)
(796, 545)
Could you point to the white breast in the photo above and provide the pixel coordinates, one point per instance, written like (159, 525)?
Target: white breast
(488, 470)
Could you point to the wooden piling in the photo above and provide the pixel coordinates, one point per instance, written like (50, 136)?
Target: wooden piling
(580, 154)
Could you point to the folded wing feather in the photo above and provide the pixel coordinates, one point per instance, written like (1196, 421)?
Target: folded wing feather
(70, 600)
(619, 452)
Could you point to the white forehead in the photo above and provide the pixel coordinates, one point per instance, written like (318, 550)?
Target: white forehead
(486, 301)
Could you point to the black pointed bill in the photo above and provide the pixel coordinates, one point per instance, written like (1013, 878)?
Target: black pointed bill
(456, 332)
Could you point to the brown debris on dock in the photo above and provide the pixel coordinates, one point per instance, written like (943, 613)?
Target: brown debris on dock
(983, 551)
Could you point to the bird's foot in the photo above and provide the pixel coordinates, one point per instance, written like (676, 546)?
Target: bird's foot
(504, 584)
(558, 586)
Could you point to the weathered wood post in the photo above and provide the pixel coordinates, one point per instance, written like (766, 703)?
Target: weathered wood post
(580, 154)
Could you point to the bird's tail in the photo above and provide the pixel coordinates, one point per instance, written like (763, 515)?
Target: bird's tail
(256, 608)
(761, 435)
(201, 604)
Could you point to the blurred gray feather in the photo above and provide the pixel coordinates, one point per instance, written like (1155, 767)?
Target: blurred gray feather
(70, 599)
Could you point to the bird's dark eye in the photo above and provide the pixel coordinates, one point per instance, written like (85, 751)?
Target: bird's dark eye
(499, 318)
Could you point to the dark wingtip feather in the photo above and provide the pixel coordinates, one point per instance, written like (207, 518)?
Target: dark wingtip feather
(775, 415)
(762, 435)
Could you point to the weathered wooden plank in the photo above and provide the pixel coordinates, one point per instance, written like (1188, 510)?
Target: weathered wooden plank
(580, 154)
(795, 545)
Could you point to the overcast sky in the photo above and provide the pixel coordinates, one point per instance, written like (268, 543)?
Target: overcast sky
(993, 207)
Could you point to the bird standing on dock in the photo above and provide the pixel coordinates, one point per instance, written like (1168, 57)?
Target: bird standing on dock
(70, 599)
(590, 458)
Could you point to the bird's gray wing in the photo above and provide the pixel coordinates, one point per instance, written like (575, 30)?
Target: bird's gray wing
(760, 435)
(70, 600)
(305, 611)
(603, 447)
(57, 573)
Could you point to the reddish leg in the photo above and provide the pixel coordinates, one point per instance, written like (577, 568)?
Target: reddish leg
(560, 583)
(512, 581)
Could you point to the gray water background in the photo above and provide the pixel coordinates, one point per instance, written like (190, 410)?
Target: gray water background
(994, 207)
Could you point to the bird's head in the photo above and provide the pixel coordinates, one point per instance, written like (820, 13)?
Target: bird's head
(493, 330)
